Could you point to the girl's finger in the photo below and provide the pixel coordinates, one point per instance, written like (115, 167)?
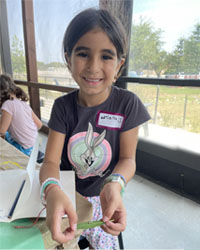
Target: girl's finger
(115, 226)
(118, 221)
(110, 231)
(72, 216)
(68, 234)
(60, 236)
(55, 228)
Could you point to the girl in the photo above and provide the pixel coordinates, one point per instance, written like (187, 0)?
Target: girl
(17, 117)
(92, 130)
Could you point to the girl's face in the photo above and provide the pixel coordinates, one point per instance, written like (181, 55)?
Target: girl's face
(94, 65)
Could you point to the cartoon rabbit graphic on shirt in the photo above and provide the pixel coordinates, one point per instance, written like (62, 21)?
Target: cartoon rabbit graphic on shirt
(89, 157)
(88, 163)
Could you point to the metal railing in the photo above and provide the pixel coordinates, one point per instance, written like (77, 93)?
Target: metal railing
(161, 81)
(121, 81)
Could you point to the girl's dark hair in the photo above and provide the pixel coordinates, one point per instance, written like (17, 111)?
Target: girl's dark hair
(8, 87)
(90, 19)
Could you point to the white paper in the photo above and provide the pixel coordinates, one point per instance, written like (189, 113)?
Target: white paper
(30, 172)
(29, 204)
(10, 182)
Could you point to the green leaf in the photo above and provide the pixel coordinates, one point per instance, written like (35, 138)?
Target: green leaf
(90, 224)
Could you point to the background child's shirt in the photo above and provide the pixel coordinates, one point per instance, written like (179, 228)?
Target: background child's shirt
(22, 128)
(93, 147)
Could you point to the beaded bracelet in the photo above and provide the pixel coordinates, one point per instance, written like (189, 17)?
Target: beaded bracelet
(47, 182)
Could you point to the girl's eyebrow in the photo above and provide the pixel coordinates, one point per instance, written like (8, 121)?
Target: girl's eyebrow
(81, 48)
(109, 51)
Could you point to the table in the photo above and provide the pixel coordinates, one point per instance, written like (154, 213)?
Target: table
(39, 236)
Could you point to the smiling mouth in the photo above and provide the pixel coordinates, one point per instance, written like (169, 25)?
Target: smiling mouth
(92, 81)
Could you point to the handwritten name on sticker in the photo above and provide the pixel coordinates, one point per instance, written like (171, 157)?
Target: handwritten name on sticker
(110, 120)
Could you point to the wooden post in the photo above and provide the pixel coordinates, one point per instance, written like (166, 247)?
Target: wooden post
(123, 10)
(30, 52)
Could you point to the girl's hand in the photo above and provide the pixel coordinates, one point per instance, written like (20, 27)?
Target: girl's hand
(58, 205)
(113, 209)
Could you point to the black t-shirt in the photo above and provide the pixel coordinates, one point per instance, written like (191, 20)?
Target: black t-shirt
(92, 134)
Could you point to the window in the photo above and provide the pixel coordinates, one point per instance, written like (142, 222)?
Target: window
(165, 43)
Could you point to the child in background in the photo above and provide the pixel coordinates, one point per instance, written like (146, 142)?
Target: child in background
(18, 123)
(93, 131)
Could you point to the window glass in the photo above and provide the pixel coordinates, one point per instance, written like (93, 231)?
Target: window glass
(169, 106)
(175, 113)
(15, 26)
(47, 98)
(51, 20)
(165, 39)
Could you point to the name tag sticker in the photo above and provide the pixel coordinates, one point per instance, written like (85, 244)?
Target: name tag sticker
(110, 120)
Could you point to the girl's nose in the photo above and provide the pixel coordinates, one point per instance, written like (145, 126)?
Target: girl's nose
(93, 65)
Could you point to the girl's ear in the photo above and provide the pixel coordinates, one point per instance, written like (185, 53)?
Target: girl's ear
(120, 64)
(118, 69)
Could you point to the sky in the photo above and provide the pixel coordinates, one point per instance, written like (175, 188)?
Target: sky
(175, 17)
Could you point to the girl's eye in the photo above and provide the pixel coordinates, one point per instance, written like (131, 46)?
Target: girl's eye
(106, 57)
(82, 54)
